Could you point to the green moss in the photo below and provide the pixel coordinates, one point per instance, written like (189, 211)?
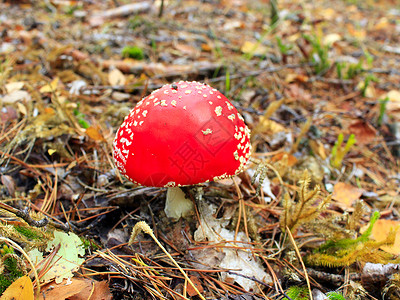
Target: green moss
(132, 52)
(27, 232)
(12, 271)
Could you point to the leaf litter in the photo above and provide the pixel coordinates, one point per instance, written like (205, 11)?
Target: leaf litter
(317, 85)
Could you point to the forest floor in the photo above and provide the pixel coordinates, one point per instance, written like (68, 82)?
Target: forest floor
(318, 84)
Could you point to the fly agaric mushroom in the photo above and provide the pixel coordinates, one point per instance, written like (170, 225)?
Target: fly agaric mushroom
(185, 133)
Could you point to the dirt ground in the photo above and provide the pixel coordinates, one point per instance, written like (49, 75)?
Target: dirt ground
(315, 212)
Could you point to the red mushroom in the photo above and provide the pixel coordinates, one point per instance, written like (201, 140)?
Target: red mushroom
(182, 134)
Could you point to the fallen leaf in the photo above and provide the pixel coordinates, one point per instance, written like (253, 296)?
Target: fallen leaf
(382, 24)
(363, 131)
(65, 289)
(190, 290)
(346, 193)
(206, 47)
(318, 148)
(253, 48)
(291, 160)
(9, 183)
(358, 34)
(16, 96)
(291, 77)
(51, 87)
(14, 86)
(331, 38)
(94, 133)
(394, 100)
(20, 289)
(380, 232)
(115, 77)
(187, 49)
(67, 258)
(98, 290)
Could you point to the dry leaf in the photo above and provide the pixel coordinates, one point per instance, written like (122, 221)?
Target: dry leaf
(269, 126)
(394, 100)
(115, 77)
(16, 96)
(14, 86)
(358, 34)
(291, 77)
(190, 290)
(98, 290)
(332, 38)
(65, 289)
(253, 48)
(380, 232)
(93, 133)
(363, 131)
(346, 193)
(9, 183)
(318, 148)
(187, 49)
(20, 289)
(382, 24)
(291, 160)
(51, 87)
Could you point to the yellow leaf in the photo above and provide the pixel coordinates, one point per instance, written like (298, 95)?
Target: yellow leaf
(253, 48)
(380, 232)
(51, 151)
(51, 87)
(115, 77)
(382, 24)
(20, 289)
(318, 148)
(346, 193)
(94, 133)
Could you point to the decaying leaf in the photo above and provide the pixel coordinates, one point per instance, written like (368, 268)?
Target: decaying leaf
(67, 258)
(232, 256)
(363, 132)
(346, 193)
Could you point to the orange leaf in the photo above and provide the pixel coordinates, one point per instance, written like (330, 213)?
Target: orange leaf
(291, 160)
(65, 289)
(190, 290)
(20, 289)
(346, 193)
(380, 232)
(94, 133)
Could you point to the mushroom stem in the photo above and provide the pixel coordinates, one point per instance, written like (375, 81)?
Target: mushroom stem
(177, 205)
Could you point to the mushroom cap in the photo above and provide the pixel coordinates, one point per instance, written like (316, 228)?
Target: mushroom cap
(184, 133)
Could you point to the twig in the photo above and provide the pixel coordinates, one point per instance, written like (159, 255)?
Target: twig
(24, 215)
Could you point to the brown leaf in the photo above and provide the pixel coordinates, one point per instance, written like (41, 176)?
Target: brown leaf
(291, 160)
(101, 291)
(65, 289)
(190, 290)
(346, 193)
(363, 131)
(9, 183)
